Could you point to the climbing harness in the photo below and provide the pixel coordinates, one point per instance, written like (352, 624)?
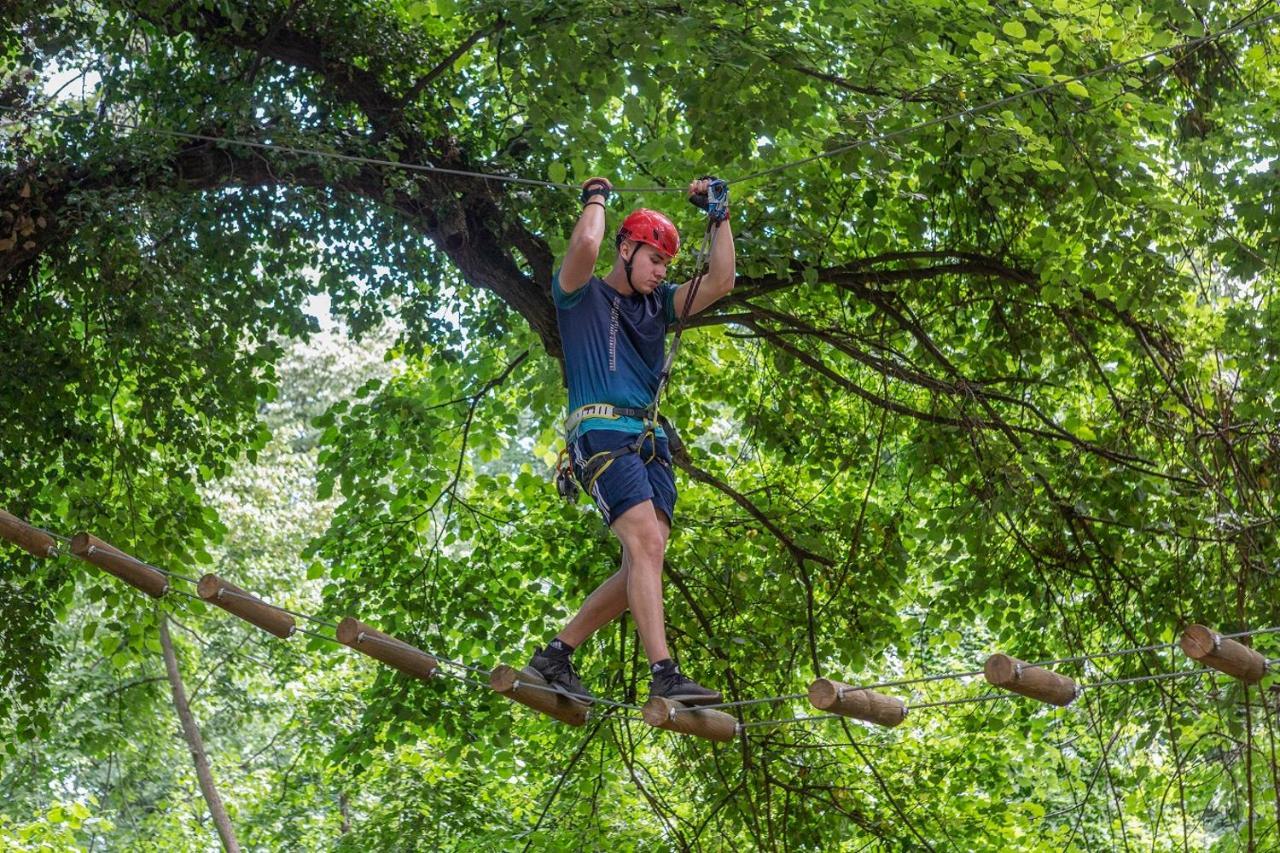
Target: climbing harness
(568, 481)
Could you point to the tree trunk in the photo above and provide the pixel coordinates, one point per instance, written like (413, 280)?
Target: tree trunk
(194, 742)
(344, 807)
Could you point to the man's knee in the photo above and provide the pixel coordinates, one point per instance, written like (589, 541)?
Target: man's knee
(643, 535)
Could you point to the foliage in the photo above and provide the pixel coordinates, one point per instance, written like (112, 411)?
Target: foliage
(998, 373)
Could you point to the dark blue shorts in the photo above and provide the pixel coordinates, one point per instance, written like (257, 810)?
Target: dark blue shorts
(631, 478)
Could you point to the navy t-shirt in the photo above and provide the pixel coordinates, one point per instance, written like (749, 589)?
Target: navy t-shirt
(613, 347)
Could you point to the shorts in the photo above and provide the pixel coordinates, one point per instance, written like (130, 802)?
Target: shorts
(631, 478)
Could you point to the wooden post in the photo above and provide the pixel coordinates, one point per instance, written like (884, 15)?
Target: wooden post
(129, 569)
(838, 698)
(1021, 677)
(195, 743)
(709, 723)
(389, 650)
(530, 689)
(235, 600)
(30, 539)
(1235, 659)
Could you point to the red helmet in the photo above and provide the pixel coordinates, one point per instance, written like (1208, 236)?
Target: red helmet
(650, 226)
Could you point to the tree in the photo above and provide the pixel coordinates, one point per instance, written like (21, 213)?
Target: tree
(996, 375)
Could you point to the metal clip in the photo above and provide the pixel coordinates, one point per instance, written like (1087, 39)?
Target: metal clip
(718, 200)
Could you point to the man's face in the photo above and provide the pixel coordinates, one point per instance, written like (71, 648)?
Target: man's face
(648, 266)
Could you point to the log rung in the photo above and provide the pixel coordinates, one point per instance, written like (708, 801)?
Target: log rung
(1210, 648)
(28, 537)
(1032, 681)
(127, 568)
(860, 704)
(674, 716)
(387, 649)
(532, 691)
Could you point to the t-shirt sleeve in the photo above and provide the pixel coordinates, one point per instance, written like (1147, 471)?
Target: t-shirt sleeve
(669, 302)
(564, 300)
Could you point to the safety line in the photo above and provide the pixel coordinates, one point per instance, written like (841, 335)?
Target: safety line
(990, 697)
(321, 153)
(394, 643)
(513, 179)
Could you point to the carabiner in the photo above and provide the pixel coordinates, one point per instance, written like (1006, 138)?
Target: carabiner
(718, 200)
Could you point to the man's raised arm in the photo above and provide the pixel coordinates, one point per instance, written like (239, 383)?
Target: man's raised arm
(721, 269)
(584, 243)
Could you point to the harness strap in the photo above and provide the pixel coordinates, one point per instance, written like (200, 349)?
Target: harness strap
(599, 410)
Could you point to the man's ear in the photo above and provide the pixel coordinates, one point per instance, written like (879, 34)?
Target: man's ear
(623, 254)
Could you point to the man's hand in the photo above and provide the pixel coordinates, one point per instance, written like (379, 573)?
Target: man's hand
(700, 197)
(698, 189)
(592, 187)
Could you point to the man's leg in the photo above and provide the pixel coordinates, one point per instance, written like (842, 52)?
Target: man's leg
(643, 532)
(606, 603)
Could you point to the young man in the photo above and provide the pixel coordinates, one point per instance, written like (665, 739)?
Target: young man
(613, 332)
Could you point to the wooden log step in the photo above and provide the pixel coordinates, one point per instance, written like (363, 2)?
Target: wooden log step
(1027, 680)
(383, 647)
(30, 539)
(1211, 649)
(129, 569)
(867, 705)
(689, 719)
(531, 690)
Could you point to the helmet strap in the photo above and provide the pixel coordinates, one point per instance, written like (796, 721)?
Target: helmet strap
(626, 263)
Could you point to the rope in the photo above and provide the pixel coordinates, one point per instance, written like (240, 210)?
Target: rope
(321, 153)
(991, 697)
(513, 179)
(391, 642)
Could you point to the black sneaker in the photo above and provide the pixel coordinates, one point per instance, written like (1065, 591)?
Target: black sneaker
(674, 685)
(557, 671)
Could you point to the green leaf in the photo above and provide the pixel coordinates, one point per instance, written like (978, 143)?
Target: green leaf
(1014, 30)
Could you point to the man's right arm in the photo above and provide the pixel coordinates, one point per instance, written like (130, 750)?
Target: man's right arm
(584, 244)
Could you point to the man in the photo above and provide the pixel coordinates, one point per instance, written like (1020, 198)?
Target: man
(613, 331)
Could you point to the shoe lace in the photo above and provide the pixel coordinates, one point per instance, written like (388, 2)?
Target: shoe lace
(676, 678)
(562, 666)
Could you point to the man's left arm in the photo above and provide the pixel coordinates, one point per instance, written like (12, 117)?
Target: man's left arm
(721, 270)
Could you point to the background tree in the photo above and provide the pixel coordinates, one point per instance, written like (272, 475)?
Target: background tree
(997, 374)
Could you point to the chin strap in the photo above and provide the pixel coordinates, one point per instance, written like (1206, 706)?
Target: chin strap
(626, 265)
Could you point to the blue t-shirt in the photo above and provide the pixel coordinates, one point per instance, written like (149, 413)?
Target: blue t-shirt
(613, 347)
